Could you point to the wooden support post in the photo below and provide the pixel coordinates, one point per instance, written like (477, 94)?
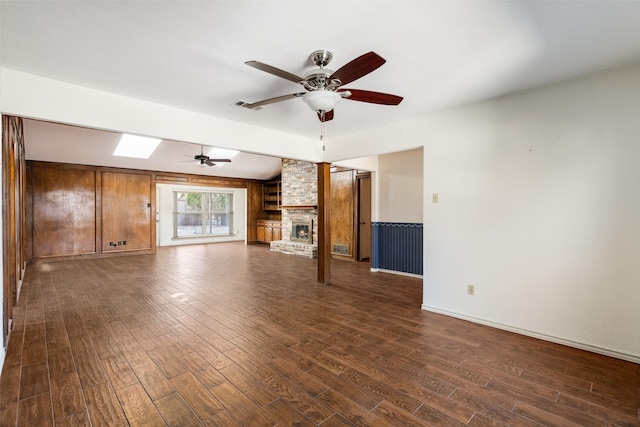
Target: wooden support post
(324, 223)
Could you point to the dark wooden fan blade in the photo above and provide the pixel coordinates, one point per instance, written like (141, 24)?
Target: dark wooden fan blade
(221, 160)
(359, 67)
(328, 115)
(208, 162)
(275, 71)
(372, 97)
(273, 100)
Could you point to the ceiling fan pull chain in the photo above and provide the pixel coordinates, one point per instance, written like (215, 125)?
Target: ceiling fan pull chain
(322, 128)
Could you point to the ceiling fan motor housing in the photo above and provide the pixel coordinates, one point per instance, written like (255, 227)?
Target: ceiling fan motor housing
(318, 79)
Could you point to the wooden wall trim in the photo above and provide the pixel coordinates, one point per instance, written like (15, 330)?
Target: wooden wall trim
(161, 177)
(98, 231)
(14, 251)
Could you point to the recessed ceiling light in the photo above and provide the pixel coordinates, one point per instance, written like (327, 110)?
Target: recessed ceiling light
(139, 147)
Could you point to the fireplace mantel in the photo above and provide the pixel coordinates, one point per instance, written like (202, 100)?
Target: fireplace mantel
(299, 207)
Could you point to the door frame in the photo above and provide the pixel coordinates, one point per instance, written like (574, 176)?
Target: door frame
(360, 177)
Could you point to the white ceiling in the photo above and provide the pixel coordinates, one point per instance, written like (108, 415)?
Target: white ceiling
(54, 142)
(190, 55)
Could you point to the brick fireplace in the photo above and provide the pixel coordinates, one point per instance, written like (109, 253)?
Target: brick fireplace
(299, 206)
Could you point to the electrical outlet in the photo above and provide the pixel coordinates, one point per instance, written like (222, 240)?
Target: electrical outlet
(471, 290)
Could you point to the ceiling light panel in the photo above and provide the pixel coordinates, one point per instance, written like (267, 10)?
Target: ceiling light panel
(222, 153)
(139, 147)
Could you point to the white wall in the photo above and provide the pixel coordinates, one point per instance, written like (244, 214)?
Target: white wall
(164, 195)
(3, 349)
(538, 208)
(362, 163)
(399, 182)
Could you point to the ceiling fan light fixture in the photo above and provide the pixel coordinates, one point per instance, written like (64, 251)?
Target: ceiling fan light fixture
(321, 100)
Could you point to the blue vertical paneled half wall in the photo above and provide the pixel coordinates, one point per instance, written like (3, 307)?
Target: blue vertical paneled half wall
(397, 246)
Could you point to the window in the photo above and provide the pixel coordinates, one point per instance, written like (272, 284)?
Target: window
(202, 214)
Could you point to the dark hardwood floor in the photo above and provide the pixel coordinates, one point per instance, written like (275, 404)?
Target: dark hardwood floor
(227, 334)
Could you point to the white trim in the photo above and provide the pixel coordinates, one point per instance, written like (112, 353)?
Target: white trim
(526, 332)
(3, 352)
(239, 232)
(399, 273)
(3, 349)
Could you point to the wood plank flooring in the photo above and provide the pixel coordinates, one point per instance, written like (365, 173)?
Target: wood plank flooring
(227, 334)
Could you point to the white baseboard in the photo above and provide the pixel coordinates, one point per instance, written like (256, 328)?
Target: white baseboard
(399, 273)
(550, 338)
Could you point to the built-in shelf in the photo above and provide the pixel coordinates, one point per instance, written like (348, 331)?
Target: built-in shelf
(300, 207)
(272, 195)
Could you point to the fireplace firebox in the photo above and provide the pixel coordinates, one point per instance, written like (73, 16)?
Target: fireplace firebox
(301, 231)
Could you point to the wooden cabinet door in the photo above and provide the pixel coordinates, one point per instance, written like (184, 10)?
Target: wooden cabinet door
(342, 212)
(126, 212)
(260, 232)
(268, 231)
(277, 233)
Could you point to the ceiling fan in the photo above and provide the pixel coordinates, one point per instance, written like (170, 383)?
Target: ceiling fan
(205, 160)
(324, 87)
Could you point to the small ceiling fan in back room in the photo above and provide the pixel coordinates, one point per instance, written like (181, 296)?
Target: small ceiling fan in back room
(206, 160)
(324, 87)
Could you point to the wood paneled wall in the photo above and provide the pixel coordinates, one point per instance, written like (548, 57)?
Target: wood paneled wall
(127, 223)
(254, 210)
(78, 210)
(13, 216)
(63, 211)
